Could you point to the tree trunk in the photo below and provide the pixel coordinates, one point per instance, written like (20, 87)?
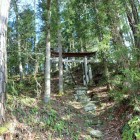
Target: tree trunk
(47, 57)
(4, 8)
(60, 50)
(133, 18)
(20, 63)
(60, 64)
(18, 40)
(36, 69)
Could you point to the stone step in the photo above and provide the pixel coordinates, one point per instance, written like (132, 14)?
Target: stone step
(95, 133)
(90, 106)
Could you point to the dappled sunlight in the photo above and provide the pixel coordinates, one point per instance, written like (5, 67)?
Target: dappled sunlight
(64, 117)
(67, 117)
(22, 101)
(75, 104)
(69, 70)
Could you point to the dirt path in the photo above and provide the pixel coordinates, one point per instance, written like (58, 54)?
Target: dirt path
(108, 117)
(65, 118)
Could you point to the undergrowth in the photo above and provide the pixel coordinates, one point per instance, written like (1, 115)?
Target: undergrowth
(131, 130)
(39, 118)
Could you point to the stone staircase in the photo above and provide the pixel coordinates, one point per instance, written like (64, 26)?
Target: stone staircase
(89, 106)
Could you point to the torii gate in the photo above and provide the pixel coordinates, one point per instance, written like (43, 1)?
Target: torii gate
(87, 77)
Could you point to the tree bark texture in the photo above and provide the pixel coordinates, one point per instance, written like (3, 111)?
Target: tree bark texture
(60, 48)
(60, 64)
(4, 8)
(47, 57)
(133, 18)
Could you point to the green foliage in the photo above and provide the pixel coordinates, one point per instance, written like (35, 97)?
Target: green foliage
(52, 117)
(75, 136)
(86, 25)
(104, 45)
(118, 96)
(21, 36)
(136, 103)
(127, 133)
(3, 130)
(126, 85)
(59, 126)
(117, 80)
(118, 93)
(132, 129)
(133, 78)
(11, 88)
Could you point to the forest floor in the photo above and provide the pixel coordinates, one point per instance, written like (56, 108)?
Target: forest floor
(28, 118)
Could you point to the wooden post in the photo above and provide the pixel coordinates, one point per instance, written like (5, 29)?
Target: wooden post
(66, 65)
(84, 80)
(83, 69)
(86, 70)
(90, 74)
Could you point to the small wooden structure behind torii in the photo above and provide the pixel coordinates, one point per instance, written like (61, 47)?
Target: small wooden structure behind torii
(87, 76)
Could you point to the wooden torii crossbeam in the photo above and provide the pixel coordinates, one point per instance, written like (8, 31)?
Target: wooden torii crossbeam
(71, 54)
